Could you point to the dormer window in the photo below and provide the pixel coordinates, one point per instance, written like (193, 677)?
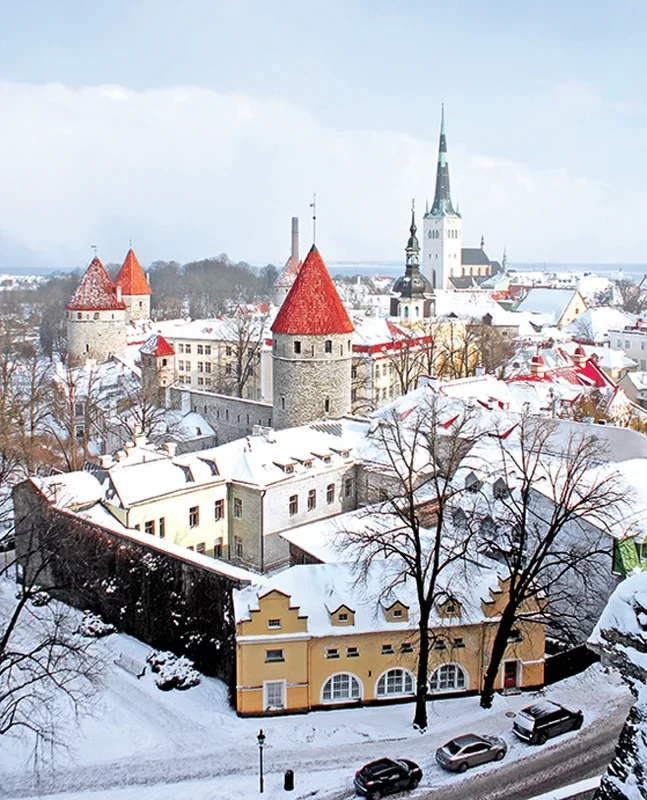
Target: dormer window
(449, 608)
(342, 616)
(397, 612)
(472, 483)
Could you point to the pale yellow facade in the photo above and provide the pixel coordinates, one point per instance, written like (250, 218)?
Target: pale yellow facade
(283, 667)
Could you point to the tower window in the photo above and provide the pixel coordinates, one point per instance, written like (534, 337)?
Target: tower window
(282, 403)
(328, 346)
(164, 362)
(327, 405)
(297, 347)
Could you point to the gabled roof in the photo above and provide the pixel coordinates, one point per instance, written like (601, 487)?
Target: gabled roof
(312, 305)
(131, 276)
(289, 272)
(96, 292)
(156, 345)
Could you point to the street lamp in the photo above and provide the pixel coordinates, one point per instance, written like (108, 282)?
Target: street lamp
(261, 741)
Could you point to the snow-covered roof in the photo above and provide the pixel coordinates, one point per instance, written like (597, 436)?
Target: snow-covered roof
(96, 292)
(549, 303)
(594, 324)
(318, 589)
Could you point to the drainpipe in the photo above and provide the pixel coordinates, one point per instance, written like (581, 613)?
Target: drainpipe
(262, 519)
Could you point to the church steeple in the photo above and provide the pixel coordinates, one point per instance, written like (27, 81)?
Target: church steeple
(412, 291)
(412, 249)
(442, 205)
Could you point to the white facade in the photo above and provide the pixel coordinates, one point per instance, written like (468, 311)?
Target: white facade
(441, 249)
(633, 343)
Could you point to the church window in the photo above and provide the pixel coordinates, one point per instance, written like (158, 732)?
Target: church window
(328, 346)
(297, 347)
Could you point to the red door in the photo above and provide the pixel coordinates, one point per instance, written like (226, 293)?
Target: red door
(510, 674)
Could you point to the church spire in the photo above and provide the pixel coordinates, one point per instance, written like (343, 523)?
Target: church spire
(412, 249)
(442, 205)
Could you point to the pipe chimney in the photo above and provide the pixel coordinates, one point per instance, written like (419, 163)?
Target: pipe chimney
(295, 239)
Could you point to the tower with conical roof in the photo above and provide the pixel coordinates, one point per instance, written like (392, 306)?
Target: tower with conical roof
(288, 275)
(96, 318)
(135, 290)
(443, 225)
(412, 293)
(311, 350)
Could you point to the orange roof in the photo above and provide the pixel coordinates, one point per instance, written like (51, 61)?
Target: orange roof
(96, 292)
(131, 277)
(312, 305)
(156, 345)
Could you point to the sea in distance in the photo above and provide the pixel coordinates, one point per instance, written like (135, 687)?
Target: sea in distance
(633, 272)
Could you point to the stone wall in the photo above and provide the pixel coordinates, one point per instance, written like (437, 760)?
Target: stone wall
(95, 334)
(138, 306)
(230, 417)
(160, 598)
(310, 383)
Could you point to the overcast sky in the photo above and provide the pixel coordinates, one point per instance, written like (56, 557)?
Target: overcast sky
(197, 127)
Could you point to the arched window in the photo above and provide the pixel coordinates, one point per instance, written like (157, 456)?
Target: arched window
(429, 236)
(406, 311)
(448, 678)
(395, 682)
(341, 688)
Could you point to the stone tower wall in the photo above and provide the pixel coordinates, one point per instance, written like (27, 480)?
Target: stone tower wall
(158, 373)
(441, 249)
(279, 295)
(95, 334)
(303, 381)
(138, 306)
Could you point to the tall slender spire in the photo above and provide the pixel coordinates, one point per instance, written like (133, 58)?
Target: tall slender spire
(442, 205)
(412, 283)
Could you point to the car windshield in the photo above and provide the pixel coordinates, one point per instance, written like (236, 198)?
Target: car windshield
(452, 748)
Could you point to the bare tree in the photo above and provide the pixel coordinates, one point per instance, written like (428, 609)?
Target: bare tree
(547, 528)
(244, 338)
(418, 455)
(45, 665)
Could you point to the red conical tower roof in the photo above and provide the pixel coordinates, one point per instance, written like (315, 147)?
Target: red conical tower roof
(96, 292)
(312, 305)
(156, 345)
(131, 276)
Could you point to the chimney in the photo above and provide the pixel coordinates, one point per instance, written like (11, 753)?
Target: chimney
(118, 288)
(295, 239)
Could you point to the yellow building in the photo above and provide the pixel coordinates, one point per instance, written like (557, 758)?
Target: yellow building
(313, 637)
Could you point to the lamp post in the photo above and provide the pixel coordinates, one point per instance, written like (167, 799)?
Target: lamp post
(261, 741)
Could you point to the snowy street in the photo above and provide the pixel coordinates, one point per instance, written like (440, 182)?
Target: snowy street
(142, 743)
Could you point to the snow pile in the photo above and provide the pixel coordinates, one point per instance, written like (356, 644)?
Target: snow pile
(94, 627)
(173, 672)
(621, 635)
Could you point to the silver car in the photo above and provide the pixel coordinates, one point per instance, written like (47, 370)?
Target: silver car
(469, 751)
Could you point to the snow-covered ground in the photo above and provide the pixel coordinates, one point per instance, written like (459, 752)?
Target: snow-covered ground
(140, 742)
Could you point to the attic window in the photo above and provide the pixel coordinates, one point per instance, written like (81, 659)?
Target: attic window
(500, 489)
(397, 613)
(472, 483)
(343, 617)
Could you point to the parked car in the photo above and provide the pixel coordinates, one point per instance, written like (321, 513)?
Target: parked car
(469, 751)
(386, 776)
(537, 723)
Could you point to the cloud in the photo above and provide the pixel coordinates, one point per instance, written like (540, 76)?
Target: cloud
(188, 172)
(577, 96)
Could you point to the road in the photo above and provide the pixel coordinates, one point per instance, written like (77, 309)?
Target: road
(558, 763)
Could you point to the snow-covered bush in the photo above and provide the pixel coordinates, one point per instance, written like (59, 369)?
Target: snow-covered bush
(40, 598)
(173, 672)
(93, 626)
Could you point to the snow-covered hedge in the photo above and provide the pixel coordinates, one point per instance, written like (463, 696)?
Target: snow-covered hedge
(93, 626)
(173, 672)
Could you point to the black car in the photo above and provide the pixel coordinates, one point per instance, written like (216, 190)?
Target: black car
(386, 776)
(541, 721)
(470, 750)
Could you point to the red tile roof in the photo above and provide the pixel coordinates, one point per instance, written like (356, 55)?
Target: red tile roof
(156, 345)
(131, 277)
(312, 305)
(96, 292)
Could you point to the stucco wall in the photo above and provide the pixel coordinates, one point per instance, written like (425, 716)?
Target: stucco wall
(97, 338)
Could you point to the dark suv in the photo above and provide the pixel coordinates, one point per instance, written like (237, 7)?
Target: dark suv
(387, 776)
(541, 721)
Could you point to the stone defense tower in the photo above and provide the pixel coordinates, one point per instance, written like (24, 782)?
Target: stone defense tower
(311, 349)
(291, 269)
(158, 368)
(135, 291)
(443, 226)
(96, 318)
(413, 298)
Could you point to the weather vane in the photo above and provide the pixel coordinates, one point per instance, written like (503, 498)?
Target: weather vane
(313, 206)
(94, 248)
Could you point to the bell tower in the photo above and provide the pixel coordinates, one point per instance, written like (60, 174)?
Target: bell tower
(442, 225)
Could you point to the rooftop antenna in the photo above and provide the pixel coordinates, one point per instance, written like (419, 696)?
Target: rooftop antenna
(313, 206)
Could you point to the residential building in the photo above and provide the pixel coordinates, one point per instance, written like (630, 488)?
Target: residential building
(314, 637)
(553, 307)
(632, 341)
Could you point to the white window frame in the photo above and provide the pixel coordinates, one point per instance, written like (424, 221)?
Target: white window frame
(403, 693)
(447, 690)
(284, 693)
(334, 700)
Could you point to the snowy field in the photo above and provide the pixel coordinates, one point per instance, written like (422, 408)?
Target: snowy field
(139, 742)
